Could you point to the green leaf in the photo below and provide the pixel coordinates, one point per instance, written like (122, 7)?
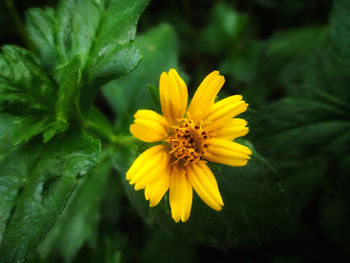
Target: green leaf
(26, 91)
(154, 94)
(79, 221)
(101, 32)
(323, 79)
(299, 128)
(340, 30)
(36, 182)
(6, 128)
(318, 122)
(159, 47)
(255, 208)
(57, 127)
(68, 78)
(223, 31)
(41, 104)
(302, 180)
(290, 45)
(41, 26)
(286, 54)
(67, 104)
(30, 126)
(25, 87)
(304, 62)
(243, 63)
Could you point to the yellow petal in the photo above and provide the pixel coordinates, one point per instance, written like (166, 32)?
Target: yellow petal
(155, 191)
(180, 195)
(153, 173)
(146, 170)
(149, 126)
(205, 96)
(227, 152)
(150, 157)
(173, 96)
(232, 129)
(205, 185)
(223, 111)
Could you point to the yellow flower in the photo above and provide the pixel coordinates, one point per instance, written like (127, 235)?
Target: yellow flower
(203, 131)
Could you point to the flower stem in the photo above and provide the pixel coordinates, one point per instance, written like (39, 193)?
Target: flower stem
(124, 140)
(108, 136)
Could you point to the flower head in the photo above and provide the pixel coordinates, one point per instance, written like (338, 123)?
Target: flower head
(203, 131)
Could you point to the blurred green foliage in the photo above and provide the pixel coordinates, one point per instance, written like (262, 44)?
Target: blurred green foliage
(289, 59)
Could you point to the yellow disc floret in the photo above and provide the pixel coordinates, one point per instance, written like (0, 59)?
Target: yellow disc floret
(188, 142)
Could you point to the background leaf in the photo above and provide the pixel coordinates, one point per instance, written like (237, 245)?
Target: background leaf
(6, 129)
(20, 73)
(100, 31)
(224, 29)
(159, 47)
(255, 211)
(27, 92)
(36, 183)
(303, 128)
(78, 224)
(340, 23)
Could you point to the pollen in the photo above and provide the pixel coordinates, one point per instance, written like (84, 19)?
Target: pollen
(188, 142)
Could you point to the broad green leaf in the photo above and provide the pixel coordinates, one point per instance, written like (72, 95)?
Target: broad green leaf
(36, 182)
(340, 30)
(58, 126)
(299, 128)
(285, 55)
(303, 61)
(275, 66)
(323, 79)
(315, 120)
(25, 88)
(101, 32)
(294, 44)
(30, 126)
(154, 94)
(223, 31)
(159, 47)
(79, 221)
(42, 105)
(41, 26)
(301, 180)
(26, 91)
(309, 129)
(6, 128)
(243, 63)
(255, 210)
(68, 79)
(67, 104)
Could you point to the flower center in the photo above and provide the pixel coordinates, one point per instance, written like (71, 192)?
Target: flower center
(188, 142)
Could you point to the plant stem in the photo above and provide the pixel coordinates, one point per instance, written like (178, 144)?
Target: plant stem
(124, 140)
(120, 140)
(18, 22)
